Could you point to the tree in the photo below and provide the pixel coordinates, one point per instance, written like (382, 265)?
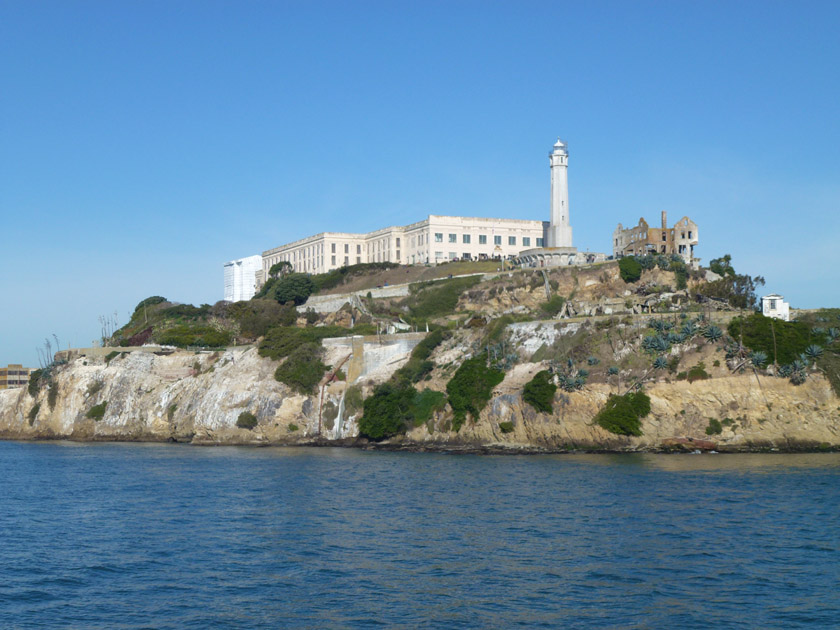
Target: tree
(295, 287)
(630, 269)
(722, 266)
(283, 268)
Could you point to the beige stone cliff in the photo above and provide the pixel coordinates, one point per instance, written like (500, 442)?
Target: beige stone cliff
(197, 398)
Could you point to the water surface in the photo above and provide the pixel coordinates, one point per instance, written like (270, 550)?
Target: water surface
(173, 536)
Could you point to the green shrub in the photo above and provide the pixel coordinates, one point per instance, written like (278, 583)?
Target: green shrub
(425, 404)
(97, 412)
(436, 299)
(539, 392)
(622, 414)
(112, 355)
(149, 301)
(418, 365)
(333, 278)
(303, 369)
(256, 317)
(553, 306)
(246, 420)
(52, 395)
(280, 341)
(792, 338)
(506, 427)
(33, 413)
(293, 427)
(295, 287)
(387, 411)
(470, 389)
(630, 269)
(697, 373)
(714, 428)
(170, 412)
(199, 335)
(34, 385)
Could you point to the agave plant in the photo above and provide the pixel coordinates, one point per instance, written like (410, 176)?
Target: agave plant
(674, 338)
(667, 325)
(663, 263)
(758, 358)
(818, 330)
(612, 370)
(583, 373)
(813, 352)
(593, 360)
(689, 329)
(785, 371)
(713, 333)
(657, 324)
(800, 364)
(660, 363)
(833, 334)
(734, 349)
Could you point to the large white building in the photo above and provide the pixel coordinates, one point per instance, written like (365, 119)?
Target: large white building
(433, 240)
(241, 278)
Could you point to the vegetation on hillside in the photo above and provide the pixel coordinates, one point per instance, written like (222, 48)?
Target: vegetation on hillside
(470, 389)
(622, 415)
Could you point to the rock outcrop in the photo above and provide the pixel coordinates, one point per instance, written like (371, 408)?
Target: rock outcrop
(198, 398)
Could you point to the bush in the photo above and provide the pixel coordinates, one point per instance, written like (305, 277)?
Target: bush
(333, 278)
(792, 338)
(418, 365)
(280, 341)
(293, 427)
(52, 395)
(303, 369)
(97, 412)
(149, 301)
(256, 317)
(714, 428)
(506, 427)
(246, 420)
(436, 299)
(95, 387)
(470, 389)
(539, 392)
(622, 414)
(425, 404)
(553, 306)
(630, 269)
(697, 373)
(296, 287)
(353, 401)
(34, 385)
(387, 411)
(199, 335)
(33, 413)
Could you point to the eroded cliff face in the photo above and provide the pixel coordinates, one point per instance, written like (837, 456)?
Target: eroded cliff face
(198, 398)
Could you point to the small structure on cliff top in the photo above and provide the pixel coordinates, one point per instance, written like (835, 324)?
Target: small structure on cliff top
(774, 305)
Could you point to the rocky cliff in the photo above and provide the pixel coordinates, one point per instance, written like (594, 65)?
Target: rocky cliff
(198, 398)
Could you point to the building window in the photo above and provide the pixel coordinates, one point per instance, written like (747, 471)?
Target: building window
(511, 240)
(482, 239)
(439, 254)
(346, 260)
(333, 258)
(689, 234)
(438, 237)
(466, 256)
(453, 255)
(466, 238)
(772, 305)
(398, 241)
(526, 241)
(420, 240)
(663, 236)
(453, 238)
(540, 242)
(358, 260)
(333, 251)
(398, 254)
(497, 240)
(358, 249)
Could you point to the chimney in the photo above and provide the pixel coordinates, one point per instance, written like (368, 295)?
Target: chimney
(664, 219)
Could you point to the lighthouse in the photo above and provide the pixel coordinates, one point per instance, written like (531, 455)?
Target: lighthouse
(560, 230)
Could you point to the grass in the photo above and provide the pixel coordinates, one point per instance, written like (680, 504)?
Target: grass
(281, 341)
(429, 300)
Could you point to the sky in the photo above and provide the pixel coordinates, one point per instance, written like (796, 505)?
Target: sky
(144, 144)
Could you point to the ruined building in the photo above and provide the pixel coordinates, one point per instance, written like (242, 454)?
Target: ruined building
(642, 239)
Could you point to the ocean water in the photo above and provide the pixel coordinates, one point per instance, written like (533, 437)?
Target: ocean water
(173, 536)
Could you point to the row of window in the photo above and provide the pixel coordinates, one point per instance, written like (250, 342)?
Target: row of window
(482, 239)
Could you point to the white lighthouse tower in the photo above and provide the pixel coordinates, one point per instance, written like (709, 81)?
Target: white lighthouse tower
(559, 231)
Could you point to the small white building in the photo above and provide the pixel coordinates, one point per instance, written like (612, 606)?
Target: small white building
(774, 305)
(241, 278)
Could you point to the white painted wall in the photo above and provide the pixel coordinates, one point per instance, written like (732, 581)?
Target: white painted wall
(775, 306)
(240, 278)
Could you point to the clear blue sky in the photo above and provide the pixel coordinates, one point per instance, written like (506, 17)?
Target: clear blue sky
(143, 144)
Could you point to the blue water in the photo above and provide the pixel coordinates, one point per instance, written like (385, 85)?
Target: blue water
(173, 536)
